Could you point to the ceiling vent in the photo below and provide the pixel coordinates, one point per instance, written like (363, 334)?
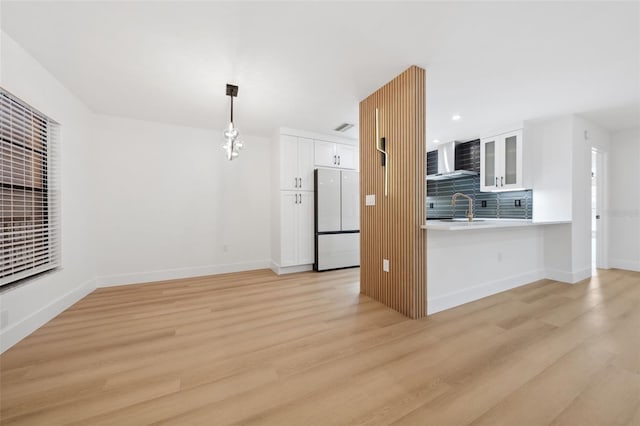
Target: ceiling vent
(343, 127)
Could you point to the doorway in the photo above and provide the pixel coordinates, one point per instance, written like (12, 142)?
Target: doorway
(598, 245)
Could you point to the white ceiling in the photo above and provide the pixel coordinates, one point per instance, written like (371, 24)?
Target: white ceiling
(307, 65)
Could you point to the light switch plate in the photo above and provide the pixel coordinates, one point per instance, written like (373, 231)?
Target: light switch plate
(370, 200)
(385, 265)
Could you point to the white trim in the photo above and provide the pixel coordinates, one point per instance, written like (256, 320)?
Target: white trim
(13, 333)
(627, 264)
(318, 136)
(178, 273)
(482, 290)
(566, 276)
(581, 275)
(280, 270)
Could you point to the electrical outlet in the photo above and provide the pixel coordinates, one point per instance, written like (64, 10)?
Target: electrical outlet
(370, 200)
(430, 205)
(518, 203)
(385, 265)
(484, 203)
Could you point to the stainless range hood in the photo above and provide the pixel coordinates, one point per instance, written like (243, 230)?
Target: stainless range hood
(447, 164)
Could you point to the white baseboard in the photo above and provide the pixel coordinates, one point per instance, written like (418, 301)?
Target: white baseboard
(280, 270)
(174, 274)
(479, 291)
(13, 333)
(567, 276)
(629, 265)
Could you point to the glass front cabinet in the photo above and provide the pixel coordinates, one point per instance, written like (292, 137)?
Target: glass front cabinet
(501, 162)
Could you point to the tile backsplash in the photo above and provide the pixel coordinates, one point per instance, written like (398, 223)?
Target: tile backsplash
(504, 205)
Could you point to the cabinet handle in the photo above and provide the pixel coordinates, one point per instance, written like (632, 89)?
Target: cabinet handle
(496, 180)
(501, 180)
(300, 198)
(300, 183)
(296, 199)
(338, 160)
(334, 160)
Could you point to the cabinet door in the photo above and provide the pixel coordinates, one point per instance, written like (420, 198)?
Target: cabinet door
(325, 154)
(489, 179)
(346, 156)
(512, 158)
(350, 200)
(305, 164)
(288, 162)
(289, 228)
(305, 229)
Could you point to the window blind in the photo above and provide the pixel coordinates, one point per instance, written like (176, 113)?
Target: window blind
(29, 213)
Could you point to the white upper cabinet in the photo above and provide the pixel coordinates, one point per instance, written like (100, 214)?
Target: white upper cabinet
(346, 156)
(502, 160)
(296, 163)
(305, 164)
(329, 154)
(325, 154)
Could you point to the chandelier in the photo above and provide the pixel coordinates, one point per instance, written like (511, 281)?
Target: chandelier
(232, 144)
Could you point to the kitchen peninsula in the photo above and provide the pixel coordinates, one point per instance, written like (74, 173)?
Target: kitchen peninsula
(518, 235)
(467, 261)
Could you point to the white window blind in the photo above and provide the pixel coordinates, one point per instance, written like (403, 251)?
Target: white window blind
(29, 220)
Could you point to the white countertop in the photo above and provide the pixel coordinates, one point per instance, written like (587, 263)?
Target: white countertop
(464, 225)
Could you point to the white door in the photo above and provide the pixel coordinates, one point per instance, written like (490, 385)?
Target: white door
(511, 156)
(305, 164)
(288, 228)
(305, 228)
(598, 231)
(346, 156)
(350, 200)
(325, 154)
(489, 178)
(288, 162)
(328, 194)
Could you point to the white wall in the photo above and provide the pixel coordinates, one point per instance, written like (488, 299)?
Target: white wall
(562, 191)
(32, 303)
(171, 205)
(552, 169)
(624, 200)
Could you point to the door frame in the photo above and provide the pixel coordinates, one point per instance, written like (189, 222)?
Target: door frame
(602, 202)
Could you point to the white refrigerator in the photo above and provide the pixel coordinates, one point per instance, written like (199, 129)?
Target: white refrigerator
(337, 219)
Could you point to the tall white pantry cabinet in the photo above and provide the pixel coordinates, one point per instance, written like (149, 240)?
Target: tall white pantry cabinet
(292, 208)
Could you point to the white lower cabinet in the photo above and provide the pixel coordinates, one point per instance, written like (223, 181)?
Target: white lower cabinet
(296, 228)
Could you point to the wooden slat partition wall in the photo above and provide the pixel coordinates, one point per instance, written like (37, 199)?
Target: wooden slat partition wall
(391, 228)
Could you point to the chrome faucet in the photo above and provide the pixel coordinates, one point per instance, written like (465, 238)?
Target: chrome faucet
(469, 213)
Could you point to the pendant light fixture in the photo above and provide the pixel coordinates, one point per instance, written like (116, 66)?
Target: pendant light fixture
(232, 144)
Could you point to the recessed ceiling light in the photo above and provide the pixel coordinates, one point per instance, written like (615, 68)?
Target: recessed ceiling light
(456, 117)
(436, 141)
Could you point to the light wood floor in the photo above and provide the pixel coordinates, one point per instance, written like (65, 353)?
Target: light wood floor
(303, 349)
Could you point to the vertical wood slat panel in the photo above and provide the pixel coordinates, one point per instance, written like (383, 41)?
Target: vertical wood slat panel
(391, 229)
